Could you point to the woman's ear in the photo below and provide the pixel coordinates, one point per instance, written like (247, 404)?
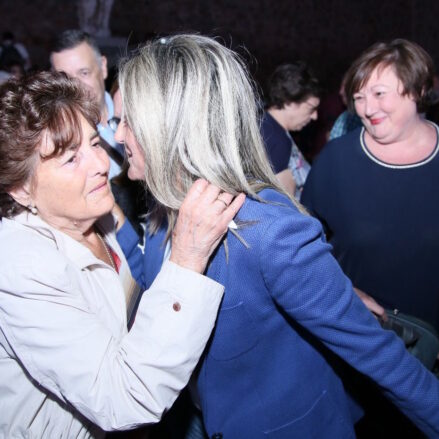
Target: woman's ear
(22, 195)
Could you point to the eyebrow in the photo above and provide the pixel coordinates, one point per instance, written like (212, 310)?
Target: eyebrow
(380, 84)
(311, 106)
(76, 146)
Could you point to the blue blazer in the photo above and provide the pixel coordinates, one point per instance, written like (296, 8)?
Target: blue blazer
(265, 372)
(144, 267)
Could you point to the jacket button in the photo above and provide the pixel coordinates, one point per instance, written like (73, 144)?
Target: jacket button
(217, 436)
(176, 307)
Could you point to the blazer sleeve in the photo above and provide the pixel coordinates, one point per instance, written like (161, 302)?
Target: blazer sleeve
(306, 281)
(117, 380)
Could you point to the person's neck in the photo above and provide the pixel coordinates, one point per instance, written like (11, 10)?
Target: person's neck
(85, 233)
(78, 230)
(416, 142)
(279, 116)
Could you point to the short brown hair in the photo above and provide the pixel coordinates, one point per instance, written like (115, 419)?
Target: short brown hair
(412, 65)
(45, 103)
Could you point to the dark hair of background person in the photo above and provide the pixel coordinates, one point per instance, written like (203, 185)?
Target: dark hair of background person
(72, 38)
(412, 65)
(294, 82)
(46, 103)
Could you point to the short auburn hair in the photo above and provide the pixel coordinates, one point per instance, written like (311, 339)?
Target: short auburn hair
(412, 65)
(46, 103)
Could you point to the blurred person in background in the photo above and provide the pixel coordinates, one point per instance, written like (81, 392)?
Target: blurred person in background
(348, 120)
(292, 101)
(77, 54)
(12, 52)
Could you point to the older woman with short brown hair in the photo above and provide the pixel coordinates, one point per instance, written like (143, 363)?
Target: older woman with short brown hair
(68, 365)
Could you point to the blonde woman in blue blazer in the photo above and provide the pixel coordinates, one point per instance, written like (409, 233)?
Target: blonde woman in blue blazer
(190, 112)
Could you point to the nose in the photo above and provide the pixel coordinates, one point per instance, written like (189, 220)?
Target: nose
(99, 161)
(119, 135)
(369, 106)
(314, 115)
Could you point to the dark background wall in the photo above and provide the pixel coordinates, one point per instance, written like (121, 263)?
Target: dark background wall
(326, 33)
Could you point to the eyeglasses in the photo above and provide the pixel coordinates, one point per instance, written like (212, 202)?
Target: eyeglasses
(113, 123)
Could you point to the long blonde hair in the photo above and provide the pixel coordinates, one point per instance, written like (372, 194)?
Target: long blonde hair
(193, 110)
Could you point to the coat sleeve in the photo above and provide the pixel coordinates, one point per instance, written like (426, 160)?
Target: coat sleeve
(118, 380)
(306, 281)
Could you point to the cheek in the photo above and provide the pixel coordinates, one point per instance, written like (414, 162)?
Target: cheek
(358, 108)
(138, 157)
(58, 194)
(402, 109)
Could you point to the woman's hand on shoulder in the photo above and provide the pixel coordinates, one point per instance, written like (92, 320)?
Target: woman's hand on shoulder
(203, 219)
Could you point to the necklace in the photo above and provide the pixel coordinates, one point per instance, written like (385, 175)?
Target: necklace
(107, 251)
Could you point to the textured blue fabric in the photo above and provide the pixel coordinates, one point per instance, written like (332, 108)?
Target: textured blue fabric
(265, 372)
(144, 266)
(382, 223)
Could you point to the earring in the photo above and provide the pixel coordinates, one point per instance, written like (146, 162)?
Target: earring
(33, 209)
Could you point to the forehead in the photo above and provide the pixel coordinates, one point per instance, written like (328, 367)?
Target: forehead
(381, 75)
(70, 136)
(117, 102)
(312, 102)
(70, 60)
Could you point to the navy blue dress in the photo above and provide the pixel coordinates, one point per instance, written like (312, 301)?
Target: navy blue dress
(382, 221)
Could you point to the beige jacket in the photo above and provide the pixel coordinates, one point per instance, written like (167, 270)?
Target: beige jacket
(65, 353)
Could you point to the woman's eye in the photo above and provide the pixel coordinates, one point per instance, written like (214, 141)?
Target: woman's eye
(72, 159)
(357, 98)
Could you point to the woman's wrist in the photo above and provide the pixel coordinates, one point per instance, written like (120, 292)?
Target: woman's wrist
(194, 264)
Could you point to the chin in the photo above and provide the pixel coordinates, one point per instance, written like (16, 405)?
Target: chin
(104, 206)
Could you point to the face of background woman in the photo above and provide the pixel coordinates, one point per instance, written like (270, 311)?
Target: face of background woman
(124, 135)
(300, 115)
(386, 114)
(71, 191)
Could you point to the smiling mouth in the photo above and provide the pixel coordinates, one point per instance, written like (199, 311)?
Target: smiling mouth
(100, 187)
(376, 121)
